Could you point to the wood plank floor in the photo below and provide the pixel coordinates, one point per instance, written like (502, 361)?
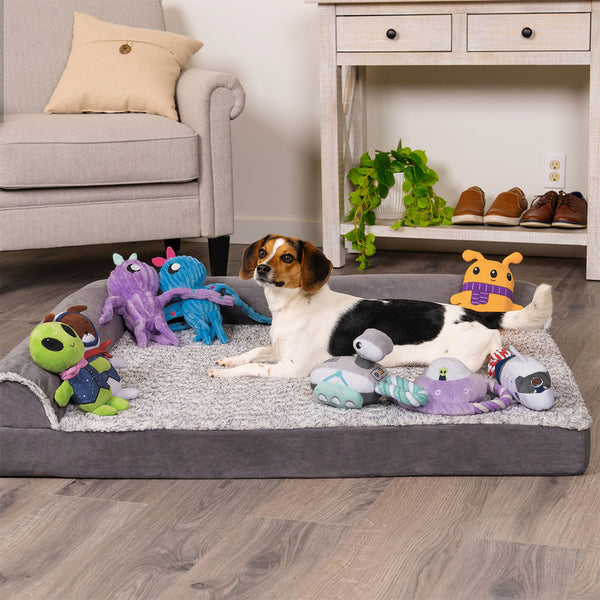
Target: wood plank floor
(463, 538)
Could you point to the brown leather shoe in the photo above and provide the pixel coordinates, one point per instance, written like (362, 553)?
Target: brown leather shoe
(542, 210)
(506, 208)
(571, 211)
(469, 209)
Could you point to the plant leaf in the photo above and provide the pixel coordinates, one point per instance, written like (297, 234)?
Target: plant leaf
(382, 161)
(351, 235)
(366, 160)
(418, 157)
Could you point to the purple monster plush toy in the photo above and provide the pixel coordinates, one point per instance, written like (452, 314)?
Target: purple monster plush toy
(133, 287)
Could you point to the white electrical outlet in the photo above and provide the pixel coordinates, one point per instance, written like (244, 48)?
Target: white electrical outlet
(555, 169)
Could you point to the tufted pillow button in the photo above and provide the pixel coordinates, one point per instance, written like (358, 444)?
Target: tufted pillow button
(125, 49)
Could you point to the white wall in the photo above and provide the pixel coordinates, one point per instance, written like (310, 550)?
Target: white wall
(272, 47)
(486, 126)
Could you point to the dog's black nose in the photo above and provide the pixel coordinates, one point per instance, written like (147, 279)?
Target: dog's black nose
(263, 269)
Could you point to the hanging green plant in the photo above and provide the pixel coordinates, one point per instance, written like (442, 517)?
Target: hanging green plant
(372, 182)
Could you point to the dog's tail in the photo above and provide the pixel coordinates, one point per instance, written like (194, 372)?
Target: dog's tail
(536, 315)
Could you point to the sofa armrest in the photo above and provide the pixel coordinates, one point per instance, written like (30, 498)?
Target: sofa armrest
(207, 101)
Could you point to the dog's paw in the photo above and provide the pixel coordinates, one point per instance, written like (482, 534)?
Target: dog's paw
(217, 373)
(227, 362)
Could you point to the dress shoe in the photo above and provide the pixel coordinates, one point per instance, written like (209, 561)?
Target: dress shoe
(541, 212)
(469, 209)
(571, 211)
(507, 208)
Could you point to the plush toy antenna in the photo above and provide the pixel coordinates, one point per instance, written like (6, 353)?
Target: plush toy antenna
(469, 255)
(118, 259)
(514, 258)
(159, 261)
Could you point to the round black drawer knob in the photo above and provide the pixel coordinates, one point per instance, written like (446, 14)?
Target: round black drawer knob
(526, 32)
(391, 34)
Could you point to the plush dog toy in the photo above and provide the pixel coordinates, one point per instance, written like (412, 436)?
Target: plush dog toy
(86, 330)
(56, 348)
(488, 285)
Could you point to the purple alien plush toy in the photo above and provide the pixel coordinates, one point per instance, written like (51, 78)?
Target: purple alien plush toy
(133, 287)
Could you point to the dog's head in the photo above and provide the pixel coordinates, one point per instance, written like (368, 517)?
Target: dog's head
(279, 261)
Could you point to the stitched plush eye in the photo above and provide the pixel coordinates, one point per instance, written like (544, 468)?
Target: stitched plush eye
(262, 253)
(173, 268)
(134, 268)
(69, 330)
(287, 258)
(52, 344)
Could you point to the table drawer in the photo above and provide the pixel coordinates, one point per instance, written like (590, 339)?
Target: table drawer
(395, 33)
(537, 32)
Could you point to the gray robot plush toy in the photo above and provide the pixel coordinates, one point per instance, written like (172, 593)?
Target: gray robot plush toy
(352, 382)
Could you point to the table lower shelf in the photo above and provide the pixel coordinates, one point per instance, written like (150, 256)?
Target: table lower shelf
(483, 233)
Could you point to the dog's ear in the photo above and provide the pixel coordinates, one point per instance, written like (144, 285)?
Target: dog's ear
(315, 268)
(250, 258)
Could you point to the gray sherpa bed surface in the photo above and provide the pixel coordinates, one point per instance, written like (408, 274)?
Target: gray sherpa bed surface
(256, 414)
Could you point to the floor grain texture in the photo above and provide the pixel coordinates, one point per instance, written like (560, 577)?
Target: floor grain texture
(448, 538)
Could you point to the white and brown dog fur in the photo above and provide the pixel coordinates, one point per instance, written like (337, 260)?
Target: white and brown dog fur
(312, 323)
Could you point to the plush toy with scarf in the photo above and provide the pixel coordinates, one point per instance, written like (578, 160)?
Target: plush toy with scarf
(488, 285)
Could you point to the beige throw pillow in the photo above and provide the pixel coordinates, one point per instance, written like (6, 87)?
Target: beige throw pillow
(116, 68)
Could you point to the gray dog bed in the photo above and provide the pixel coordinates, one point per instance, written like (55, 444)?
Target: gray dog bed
(185, 424)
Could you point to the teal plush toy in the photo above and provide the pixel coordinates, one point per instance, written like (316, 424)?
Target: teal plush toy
(55, 347)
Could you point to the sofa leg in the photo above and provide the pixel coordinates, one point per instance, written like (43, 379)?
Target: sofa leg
(174, 243)
(218, 253)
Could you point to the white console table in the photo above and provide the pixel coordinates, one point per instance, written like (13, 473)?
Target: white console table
(355, 34)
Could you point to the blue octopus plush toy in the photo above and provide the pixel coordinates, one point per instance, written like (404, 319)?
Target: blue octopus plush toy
(204, 316)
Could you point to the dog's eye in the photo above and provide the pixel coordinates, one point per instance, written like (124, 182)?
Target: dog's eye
(509, 276)
(476, 271)
(287, 258)
(262, 253)
(494, 273)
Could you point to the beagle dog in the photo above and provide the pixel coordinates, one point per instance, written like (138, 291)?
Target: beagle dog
(312, 323)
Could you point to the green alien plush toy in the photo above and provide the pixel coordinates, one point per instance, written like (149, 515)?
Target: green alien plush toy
(55, 347)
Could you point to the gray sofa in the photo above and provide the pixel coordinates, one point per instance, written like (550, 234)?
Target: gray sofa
(77, 179)
(33, 443)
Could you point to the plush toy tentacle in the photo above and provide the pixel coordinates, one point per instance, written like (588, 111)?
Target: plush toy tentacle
(110, 304)
(218, 331)
(248, 310)
(206, 320)
(194, 294)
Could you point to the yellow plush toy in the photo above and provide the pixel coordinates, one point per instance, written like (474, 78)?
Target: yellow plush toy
(488, 284)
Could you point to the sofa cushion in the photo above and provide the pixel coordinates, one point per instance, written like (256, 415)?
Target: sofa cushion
(116, 68)
(38, 150)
